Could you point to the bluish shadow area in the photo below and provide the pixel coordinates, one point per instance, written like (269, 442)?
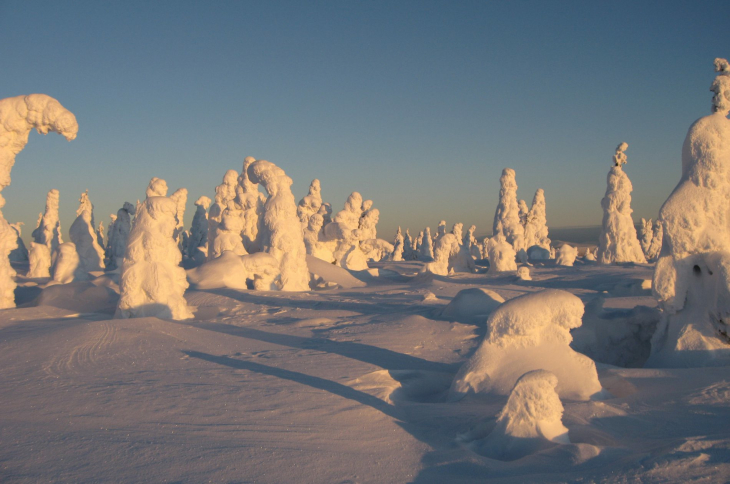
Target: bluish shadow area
(386, 359)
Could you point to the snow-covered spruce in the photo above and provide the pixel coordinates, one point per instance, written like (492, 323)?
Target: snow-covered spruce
(692, 275)
(475, 249)
(507, 215)
(618, 241)
(344, 234)
(20, 253)
(198, 239)
(48, 233)
(409, 252)
(647, 234)
(228, 234)
(536, 229)
(311, 203)
(152, 281)
(440, 231)
(314, 239)
(180, 197)
(425, 249)
(656, 242)
(398, 244)
(526, 333)
(531, 420)
(67, 267)
(118, 236)
(18, 116)
(83, 234)
(251, 201)
(501, 254)
(368, 223)
(225, 193)
(281, 230)
(566, 255)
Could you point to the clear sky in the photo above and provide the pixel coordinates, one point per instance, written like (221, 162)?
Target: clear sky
(416, 105)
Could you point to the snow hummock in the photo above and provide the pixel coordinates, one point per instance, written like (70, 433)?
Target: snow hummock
(507, 216)
(152, 281)
(691, 279)
(18, 116)
(530, 421)
(566, 255)
(473, 305)
(83, 234)
(281, 232)
(48, 234)
(526, 333)
(618, 241)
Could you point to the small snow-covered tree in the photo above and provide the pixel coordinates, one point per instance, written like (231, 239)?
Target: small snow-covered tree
(501, 254)
(647, 234)
(198, 239)
(152, 281)
(282, 234)
(311, 203)
(83, 235)
(48, 234)
(566, 255)
(314, 239)
(440, 231)
(425, 251)
(180, 197)
(20, 254)
(118, 236)
(398, 244)
(507, 215)
(409, 252)
(656, 242)
(250, 199)
(536, 229)
(618, 241)
(446, 249)
(225, 193)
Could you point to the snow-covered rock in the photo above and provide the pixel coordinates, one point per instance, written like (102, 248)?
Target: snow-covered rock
(152, 281)
(83, 234)
(530, 332)
(281, 232)
(618, 241)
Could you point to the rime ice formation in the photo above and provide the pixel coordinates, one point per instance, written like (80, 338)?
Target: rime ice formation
(618, 241)
(647, 234)
(225, 193)
(440, 231)
(47, 233)
(83, 234)
(118, 236)
(425, 250)
(526, 333)
(281, 230)
(311, 203)
(198, 239)
(20, 254)
(566, 255)
(314, 239)
(692, 275)
(251, 201)
(446, 249)
(228, 234)
(67, 267)
(18, 116)
(656, 242)
(501, 254)
(536, 229)
(368, 223)
(180, 197)
(530, 421)
(152, 281)
(507, 215)
(397, 254)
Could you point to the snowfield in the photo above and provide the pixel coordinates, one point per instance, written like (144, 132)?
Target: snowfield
(348, 383)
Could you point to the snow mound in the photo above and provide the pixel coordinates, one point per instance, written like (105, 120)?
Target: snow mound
(234, 271)
(530, 421)
(523, 273)
(526, 333)
(330, 273)
(473, 305)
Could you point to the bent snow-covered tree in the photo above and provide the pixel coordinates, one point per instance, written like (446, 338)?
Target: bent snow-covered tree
(18, 116)
(618, 241)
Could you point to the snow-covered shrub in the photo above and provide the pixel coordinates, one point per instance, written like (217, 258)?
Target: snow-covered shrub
(526, 333)
(507, 215)
(281, 231)
(83, 234)
(523, 273)
(18, 116)
(618, 241)
(152, 281)
(566, 255)
(531, 420)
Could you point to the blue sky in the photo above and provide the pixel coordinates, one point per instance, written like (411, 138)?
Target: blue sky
(416, 105)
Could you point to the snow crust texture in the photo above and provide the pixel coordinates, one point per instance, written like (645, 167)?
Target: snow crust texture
(526, 333)
(152, 281)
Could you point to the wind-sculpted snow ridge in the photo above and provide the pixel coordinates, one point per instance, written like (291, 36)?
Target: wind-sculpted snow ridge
(251, 201)
(311, 203)
(152, 281)
(83, 235)
(282, 231)
(618, 241)
(198, 239)
(398, 245)
(536, 229)
(225, 193)
(526, 333)
(531, 420)
(507, 215)
(18, 116)
(118, 236)
(48, 234)
(566, 255)
(501, 254)
(691, 278)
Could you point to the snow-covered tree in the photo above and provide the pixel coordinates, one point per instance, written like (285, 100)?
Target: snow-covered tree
(311, 203)
(647, 234)
(536, 229)
(446, 249)
(48, 234)
(398, 245)
(524, 211)
(67, 267)
(656, 242)
(20, 254)
(225, 193)
(314, 239)
(501, 254)
(198, 239)
(507, 215)
(152, 281)
(566, 255)
(281, 231)
(618, 241)
(408, 249)
(83, 235)
(440, 231)
(425, 251)
(118, 236)
(180, 197)
(251, 201)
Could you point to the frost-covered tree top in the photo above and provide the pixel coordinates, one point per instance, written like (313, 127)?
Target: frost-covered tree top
(311, 203)
(618, 241)
(349, 217)
(226, 191)
(203, 202)
(18, 116)
(721, 88)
